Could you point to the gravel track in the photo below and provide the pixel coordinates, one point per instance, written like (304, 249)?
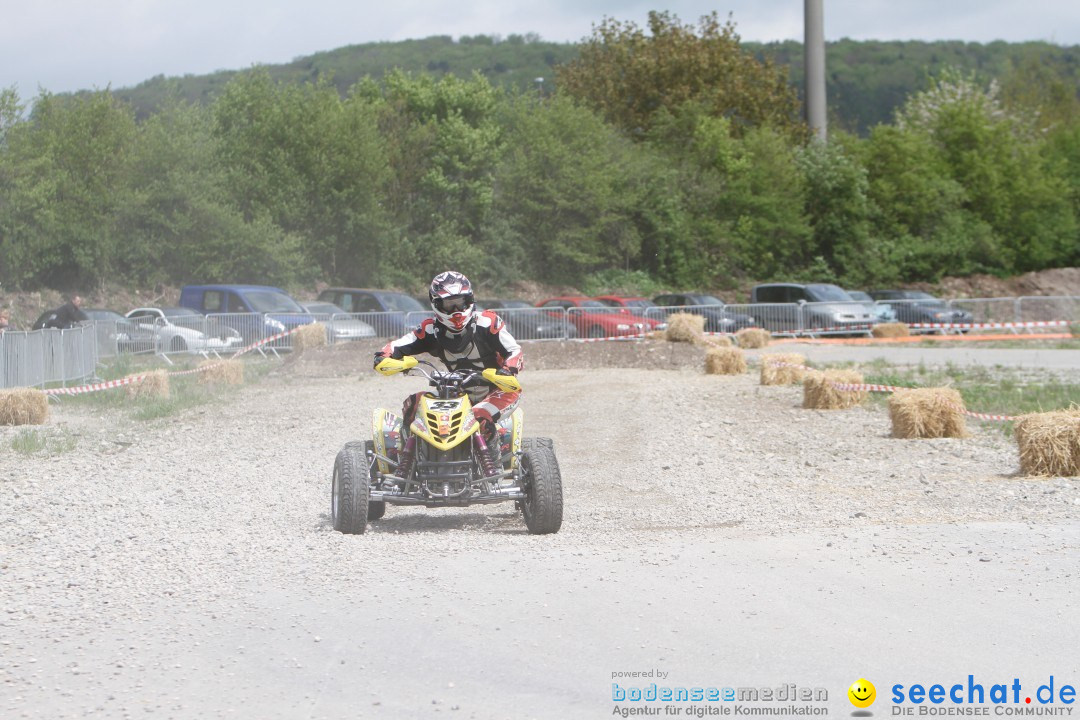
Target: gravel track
(187, 567)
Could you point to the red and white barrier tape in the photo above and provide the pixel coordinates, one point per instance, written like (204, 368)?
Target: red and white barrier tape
(607, 339)
(265, 341)
(861, 327)
(868, 387)
(990, 326)
(107, 385)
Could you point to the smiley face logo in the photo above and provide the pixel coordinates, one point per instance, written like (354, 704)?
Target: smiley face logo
(862, 693)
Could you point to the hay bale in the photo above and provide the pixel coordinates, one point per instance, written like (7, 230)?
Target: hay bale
(722, 341)
(819, 392)
(684, 327)
(1049, 443)
(890, 330)
(777, 369)
(309, 336)
(656, 335)
(927, 413)
(221, 372)
(753, 338)
(724, 361)
(154, 385)
(23, 406)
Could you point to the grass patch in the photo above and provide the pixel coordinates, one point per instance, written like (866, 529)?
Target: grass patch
(42, 442)
(998, 391)
(185, 391)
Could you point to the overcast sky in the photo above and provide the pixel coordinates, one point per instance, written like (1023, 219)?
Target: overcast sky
(63, 45)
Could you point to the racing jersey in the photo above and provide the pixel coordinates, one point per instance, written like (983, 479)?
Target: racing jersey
(491, 345)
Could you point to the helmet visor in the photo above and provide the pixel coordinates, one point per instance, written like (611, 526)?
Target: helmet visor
(456, 304)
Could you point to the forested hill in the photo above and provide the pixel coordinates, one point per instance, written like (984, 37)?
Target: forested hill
(867, 80)
(516, 61)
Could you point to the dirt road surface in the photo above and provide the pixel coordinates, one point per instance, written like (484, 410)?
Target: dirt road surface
(714, 531)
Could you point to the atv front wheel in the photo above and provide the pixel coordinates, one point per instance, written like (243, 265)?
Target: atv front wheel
(543, 503)
(349, 493)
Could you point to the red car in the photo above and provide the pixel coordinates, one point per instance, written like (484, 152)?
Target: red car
(594, 319)
(636, 305)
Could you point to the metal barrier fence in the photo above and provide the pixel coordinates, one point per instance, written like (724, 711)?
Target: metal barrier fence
(988, 310)
(38, 357)
(1035, 308)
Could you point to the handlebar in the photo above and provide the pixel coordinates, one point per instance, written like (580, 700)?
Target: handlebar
(449, 379)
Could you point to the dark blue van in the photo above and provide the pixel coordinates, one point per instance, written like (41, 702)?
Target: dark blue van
(255, 311)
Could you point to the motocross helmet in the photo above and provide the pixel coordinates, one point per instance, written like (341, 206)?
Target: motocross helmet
(452, 300)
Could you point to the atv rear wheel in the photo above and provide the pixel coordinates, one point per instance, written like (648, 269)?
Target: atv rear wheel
(543, 503)
(349, 492)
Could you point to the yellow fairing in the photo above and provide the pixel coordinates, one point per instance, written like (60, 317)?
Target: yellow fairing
(518, 420)
(390, 366)
(378, 437)
(444, 423)
(506, 383)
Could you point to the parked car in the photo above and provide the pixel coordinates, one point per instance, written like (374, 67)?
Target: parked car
(179, 329)
(884, 312)
(595, 319)
(116, 332)
(340, 328)
(915, 306)
(391, 313)
(717, 317)
(638, 306)
(256, 311)
(527, 323)
(814, 306)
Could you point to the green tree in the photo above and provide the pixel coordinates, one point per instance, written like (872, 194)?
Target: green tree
(997, 158)
(298, 157)
(838, 208)
(443, 142)
(65, 178)
(569, 188)
(628, 75)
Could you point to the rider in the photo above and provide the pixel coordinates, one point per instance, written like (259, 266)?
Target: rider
(464, 340)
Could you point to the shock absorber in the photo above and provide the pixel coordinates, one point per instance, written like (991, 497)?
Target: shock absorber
(408, 458)
(487, 464)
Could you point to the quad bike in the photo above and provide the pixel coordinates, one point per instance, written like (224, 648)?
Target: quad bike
(443, 461)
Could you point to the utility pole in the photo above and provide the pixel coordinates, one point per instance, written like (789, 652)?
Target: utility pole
(814, 48)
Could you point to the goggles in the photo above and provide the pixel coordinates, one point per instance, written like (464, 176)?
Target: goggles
(457, 304)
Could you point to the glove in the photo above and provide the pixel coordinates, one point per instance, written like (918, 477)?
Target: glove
(379, 357)
(506, 371)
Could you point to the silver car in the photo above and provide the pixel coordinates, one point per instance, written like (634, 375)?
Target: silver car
(183, 330)
(883, 311)
(339, 324)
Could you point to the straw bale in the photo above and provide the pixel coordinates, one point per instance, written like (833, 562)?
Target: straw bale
(23, 406)
(154, 385)
(819, 393)
(722, 341)
(724, 361)
(933, 412)
(222, 372)
(656, 335)
(890, 330)
(309, 336)
(775, 372)
(752, 338)
(684, 327)
(1049, 443)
